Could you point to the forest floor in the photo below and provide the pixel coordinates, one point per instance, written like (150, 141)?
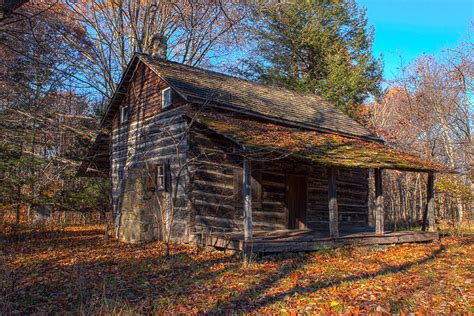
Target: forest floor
(77, 271)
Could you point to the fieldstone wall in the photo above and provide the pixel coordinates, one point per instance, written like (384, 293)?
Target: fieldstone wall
(138, 218)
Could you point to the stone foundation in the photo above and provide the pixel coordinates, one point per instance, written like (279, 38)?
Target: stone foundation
(139, 218)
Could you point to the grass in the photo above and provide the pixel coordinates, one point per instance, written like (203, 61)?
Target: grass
(77, 271)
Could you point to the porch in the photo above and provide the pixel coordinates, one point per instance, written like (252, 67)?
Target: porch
(297, 240)
(336, 194)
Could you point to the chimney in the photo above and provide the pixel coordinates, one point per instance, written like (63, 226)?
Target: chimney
(159, 46)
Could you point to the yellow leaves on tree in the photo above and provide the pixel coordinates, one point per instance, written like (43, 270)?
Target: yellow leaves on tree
(453, 187)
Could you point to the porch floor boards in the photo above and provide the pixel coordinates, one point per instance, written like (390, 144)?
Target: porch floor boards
(309, 240)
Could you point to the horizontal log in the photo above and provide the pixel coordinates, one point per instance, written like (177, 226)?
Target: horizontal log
(147, 152)
(197, 183)
(169, 154)
(216, 177)
(273, 184)
(201, 203)
(204, 163)
(216, 221)
(163, 139)
(213, 198)
(155, 127)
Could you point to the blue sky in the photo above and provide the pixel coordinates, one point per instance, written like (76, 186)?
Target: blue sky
(404, 29)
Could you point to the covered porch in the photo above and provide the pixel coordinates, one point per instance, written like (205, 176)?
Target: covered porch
(332, 153)
(299, 236)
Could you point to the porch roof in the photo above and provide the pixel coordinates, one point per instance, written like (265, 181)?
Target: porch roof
(321, 148)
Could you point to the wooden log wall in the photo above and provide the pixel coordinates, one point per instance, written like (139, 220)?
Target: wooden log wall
(352, 193)
(212, 190)
(211, 183)
(148, 137)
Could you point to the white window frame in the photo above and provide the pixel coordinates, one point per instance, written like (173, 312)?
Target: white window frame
(125, 114)
(159, 177)
(164, 105)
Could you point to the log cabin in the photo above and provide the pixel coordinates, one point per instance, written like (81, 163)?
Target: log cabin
(196, 155)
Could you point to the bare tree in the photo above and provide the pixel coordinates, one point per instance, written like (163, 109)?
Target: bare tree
(190, 32)
(428, 111)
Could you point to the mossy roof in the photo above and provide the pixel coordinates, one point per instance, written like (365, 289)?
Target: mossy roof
(321, 148)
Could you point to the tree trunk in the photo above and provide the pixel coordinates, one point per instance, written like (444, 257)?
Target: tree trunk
(460, 212)
(18, 205)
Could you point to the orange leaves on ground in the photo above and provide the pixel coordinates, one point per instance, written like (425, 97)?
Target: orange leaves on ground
(78, 271)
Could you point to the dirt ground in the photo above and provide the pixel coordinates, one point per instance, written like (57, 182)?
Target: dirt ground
(78, 271)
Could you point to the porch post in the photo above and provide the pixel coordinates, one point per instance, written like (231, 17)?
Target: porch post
(429, 214)
(379, 209)
(333, 211)
(247, 191)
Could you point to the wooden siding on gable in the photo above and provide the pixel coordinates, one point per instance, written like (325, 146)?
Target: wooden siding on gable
(143, 97)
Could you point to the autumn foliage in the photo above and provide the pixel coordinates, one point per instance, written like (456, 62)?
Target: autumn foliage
(78, 271)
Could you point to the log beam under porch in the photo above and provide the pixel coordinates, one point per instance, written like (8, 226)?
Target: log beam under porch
(308, 240)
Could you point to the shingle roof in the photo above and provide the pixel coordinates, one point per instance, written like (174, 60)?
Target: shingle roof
(321, 148)
(196, 84)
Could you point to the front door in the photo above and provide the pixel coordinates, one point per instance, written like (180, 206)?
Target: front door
(296, 201)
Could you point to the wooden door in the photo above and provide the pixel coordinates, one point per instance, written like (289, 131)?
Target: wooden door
(296, 201)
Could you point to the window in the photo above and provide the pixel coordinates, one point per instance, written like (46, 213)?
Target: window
(256, 189)
(159, 178)
(166, 98)
(125, 114)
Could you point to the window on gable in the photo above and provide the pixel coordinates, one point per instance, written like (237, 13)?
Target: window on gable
(166, 98)
(159, 178)
(256, 188)
(125, 114)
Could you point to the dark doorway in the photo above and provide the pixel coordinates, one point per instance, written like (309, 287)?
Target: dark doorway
(296, 201)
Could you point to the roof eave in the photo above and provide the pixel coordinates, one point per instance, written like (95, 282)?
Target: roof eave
(108, 115)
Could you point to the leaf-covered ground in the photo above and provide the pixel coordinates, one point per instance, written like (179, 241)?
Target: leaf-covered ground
(79, 271)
